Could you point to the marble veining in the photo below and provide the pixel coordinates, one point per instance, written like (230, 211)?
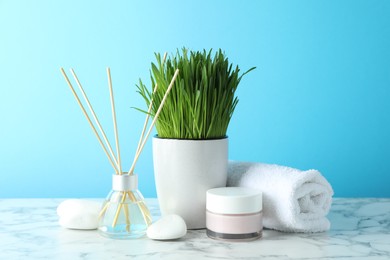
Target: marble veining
(29, 230)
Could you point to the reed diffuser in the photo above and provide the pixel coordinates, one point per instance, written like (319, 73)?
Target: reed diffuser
(124, 213)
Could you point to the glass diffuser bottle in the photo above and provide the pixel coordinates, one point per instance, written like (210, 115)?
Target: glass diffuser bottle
(124, 213)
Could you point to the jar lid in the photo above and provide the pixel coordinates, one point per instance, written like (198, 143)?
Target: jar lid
(124, 182)
(234, 200)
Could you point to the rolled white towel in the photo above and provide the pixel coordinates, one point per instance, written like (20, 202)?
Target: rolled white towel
(293, 200)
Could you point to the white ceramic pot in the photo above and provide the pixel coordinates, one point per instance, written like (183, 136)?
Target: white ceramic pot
(184, 170)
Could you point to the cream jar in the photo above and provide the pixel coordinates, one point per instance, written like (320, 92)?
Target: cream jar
(234, 214)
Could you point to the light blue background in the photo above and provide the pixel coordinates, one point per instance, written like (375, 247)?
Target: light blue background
(320, 97)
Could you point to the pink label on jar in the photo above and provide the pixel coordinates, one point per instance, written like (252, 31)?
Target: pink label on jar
(234, 224)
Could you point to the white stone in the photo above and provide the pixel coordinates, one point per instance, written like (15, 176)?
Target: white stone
(79, 214)
(167, 228)
(79, 221)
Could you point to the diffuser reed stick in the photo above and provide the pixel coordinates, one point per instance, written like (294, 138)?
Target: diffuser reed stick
(127, 216)
(118, 153)
(153, 122)
(148, 114)
(88, 119)
(94, 116)
(119, 208)
(123, 193)
(144, 211)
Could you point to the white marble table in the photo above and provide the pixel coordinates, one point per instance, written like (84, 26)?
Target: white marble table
(29, 230)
